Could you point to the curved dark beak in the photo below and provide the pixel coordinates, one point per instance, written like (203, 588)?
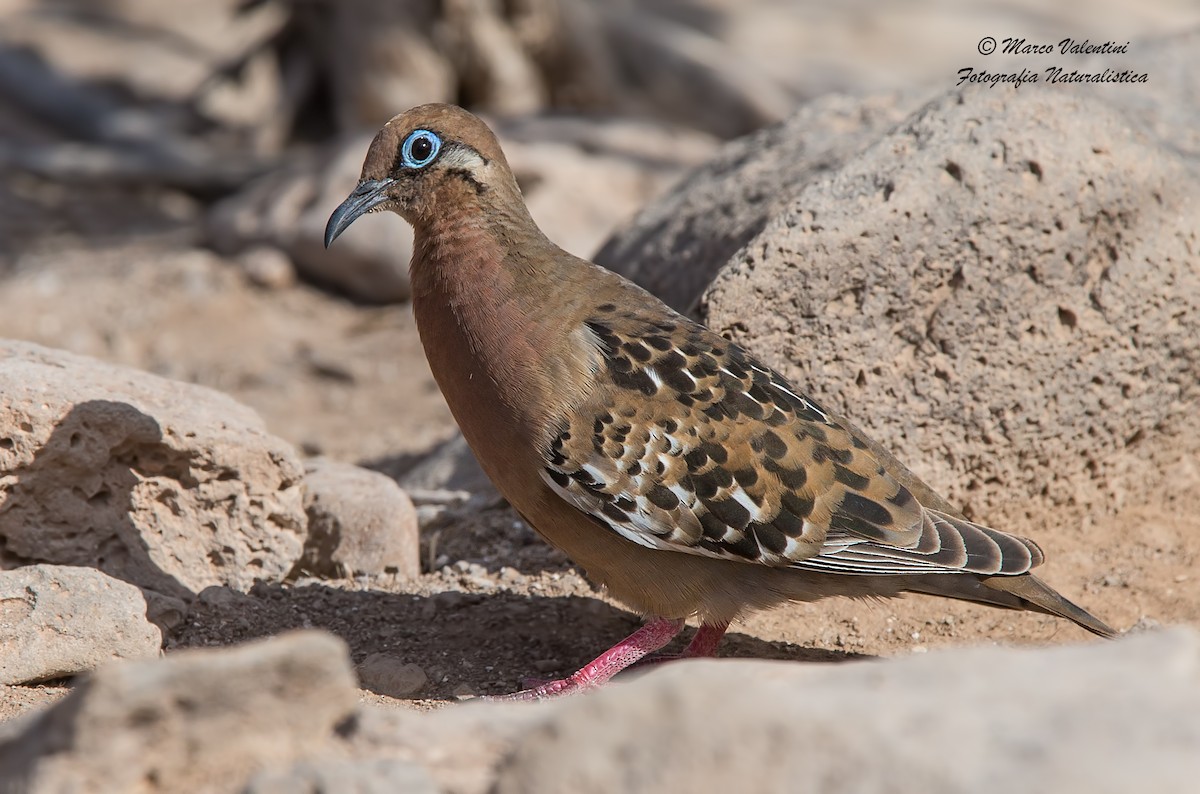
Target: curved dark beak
(369, 194)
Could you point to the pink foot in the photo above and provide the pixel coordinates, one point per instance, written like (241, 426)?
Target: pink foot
(636, 646)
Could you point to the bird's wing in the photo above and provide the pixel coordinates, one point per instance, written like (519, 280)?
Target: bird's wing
(688, 444)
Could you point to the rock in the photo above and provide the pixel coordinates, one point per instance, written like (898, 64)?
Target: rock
(676, 244)
(196, 721)
(671, 64)
(267, 267)
(371, 776)
(450, 467)
(979, 720)
(359, 521)
(384, 674)
(170, 486)
(583, 179)
(57, 621)
(287, 209)
(1008, 279)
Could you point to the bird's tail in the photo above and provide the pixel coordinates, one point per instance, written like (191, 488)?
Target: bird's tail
(1013, 592)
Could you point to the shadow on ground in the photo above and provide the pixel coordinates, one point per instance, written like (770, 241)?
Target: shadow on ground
(463, 641)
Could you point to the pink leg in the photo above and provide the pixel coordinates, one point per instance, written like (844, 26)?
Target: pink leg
(641, 643)
(704, 644)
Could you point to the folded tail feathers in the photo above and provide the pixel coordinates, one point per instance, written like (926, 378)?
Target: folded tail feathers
(1038, 596)
(1025, 591)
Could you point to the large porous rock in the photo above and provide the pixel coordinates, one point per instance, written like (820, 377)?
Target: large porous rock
(1005, 290)
(197, 721)
(675, 245)
(1105, 718)
(167, 485)
(359, 522)
(57, 621)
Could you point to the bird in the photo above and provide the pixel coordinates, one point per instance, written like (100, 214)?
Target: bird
(680, 472)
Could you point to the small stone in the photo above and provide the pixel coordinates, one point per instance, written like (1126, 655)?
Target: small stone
(384, 674)
(359, 522)
(267, 267)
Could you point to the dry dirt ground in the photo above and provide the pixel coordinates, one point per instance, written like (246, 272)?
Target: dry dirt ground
(494, 604)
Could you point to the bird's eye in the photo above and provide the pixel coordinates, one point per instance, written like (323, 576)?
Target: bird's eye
(419, 149)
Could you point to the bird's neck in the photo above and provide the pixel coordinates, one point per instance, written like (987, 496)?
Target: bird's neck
(506, 361)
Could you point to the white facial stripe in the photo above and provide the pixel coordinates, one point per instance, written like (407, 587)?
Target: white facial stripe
(461, 157)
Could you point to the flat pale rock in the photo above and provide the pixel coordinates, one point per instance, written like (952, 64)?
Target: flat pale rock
(167, 485)
(197, 721)
(371, 776)
(57, 621)
(359, 521)
(1106, 718)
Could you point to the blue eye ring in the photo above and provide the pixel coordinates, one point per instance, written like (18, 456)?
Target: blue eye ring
(422, 157)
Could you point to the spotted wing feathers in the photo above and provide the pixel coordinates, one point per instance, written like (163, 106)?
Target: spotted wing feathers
(688, 444)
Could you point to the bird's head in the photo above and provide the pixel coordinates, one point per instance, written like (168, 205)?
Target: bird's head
(434, 161)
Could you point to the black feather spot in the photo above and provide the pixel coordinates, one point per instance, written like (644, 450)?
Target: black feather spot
(746, 477)
(658, 342)
(696, 458)
(715, 451)
(606, 307)
(867, 509)
(614, 512)
(713, 527)
(816, 433)
(663, 497)
(634, 381)
(902, 498)
(790, 477)
(704, 487)
(789, 524)
(796, 505)
(845, 522)
(730, 511)
(677, 379)
(636, 351)
(561, 479)
(769, 537)
(773, 445)
(744, 404)
(671, 360)
(746, 547)
(849, 478)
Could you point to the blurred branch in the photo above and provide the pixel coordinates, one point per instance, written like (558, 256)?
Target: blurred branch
(124, 143)
(79, 162)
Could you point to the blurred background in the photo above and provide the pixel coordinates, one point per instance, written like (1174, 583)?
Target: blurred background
(166, 168)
